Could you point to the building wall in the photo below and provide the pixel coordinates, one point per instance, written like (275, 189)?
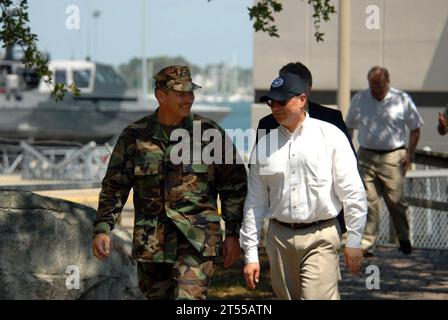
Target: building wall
(412, 43)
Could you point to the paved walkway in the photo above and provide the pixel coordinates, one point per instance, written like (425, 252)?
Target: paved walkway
(421, 275)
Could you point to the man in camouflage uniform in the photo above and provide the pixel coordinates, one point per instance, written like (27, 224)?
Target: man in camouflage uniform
(177, 233)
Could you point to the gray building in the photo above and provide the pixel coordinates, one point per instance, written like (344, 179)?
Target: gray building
(409, 37)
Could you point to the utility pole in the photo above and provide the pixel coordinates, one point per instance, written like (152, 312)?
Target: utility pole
(96, 14)
(343, 99)
(89, 36)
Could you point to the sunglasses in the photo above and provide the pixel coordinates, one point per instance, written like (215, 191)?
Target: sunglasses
(281, 103)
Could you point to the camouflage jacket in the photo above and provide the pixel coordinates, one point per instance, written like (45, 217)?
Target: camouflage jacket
(165, 194)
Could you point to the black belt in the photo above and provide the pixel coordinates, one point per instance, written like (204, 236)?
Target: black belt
(384, 151)
(300, 225)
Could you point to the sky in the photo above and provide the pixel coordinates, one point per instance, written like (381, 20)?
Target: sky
(202, 32)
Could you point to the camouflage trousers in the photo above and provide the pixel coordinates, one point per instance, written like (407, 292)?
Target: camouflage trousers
(187, 279)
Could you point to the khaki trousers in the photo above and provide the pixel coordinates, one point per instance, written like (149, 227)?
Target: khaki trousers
(304, 262)
(382, 175)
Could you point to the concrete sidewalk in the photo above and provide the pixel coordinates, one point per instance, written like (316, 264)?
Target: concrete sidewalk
(421, 275)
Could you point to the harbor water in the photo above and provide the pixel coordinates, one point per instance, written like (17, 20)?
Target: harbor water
(238, 118)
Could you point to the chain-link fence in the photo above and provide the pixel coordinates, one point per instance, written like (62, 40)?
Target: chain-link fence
(426, 190)
(427, 194)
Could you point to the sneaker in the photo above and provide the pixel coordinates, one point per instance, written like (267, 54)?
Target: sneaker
(405, 247)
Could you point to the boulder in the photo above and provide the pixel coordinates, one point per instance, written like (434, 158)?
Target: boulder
(45, 252)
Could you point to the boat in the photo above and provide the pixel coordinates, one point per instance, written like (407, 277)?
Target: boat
(104, 107)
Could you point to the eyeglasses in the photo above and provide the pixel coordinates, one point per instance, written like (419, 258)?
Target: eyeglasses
(281, 103)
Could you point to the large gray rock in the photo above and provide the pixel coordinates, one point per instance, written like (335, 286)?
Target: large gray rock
(44, 241)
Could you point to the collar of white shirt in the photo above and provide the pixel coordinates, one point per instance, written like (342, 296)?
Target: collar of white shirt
(297, 131)
(387, 97)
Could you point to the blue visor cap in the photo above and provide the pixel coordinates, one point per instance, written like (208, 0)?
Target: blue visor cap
(285, 87)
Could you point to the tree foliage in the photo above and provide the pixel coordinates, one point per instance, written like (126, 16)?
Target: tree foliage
(262, 13)
(15, 32)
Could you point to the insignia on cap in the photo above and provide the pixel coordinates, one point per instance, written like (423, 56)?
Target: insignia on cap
(277, 82)
(184, 73)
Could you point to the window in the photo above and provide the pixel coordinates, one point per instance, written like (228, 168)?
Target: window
(107, 75)
(60, 76)
(81, 78)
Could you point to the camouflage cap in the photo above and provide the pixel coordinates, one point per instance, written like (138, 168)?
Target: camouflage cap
(176, 77)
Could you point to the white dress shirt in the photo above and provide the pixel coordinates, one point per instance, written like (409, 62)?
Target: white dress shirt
(308, 177)
(382, 124)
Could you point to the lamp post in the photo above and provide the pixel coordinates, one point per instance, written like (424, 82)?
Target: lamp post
(96, 14)
(344, 56)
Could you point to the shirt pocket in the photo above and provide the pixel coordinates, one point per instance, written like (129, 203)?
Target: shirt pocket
(196, 178)
(146, 240)
(208, 224)
(393, 113)
(273, 169)
(318, 171)
(146, 167)
(147, 177)
(318, 184)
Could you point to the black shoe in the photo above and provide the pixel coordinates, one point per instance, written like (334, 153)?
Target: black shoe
(367, 254)
(405, 247)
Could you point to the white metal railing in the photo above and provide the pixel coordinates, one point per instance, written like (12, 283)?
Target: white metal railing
(70, 163)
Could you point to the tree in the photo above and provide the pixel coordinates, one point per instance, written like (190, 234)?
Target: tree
(15, 32)
(263, 11)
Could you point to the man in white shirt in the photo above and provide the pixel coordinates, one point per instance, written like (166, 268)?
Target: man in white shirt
(381, 115)
(301, 175)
